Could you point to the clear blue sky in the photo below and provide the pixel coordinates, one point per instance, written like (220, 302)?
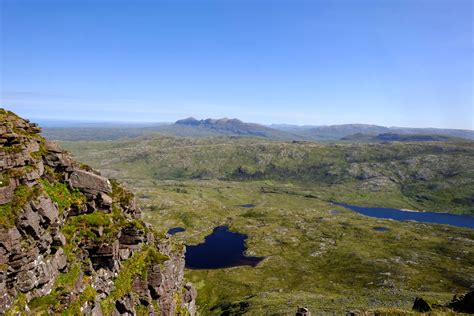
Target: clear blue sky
(388, 62)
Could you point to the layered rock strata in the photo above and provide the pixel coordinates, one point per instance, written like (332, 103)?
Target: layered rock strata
(72, 241)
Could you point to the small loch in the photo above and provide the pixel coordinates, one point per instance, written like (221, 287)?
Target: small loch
(221, 249)
(247, 205)
(404, 215)
(175, 230)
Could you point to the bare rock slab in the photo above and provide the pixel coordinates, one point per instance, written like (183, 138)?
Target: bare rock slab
(89, 181)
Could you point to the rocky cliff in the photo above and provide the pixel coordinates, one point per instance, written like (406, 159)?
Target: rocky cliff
(72, 242)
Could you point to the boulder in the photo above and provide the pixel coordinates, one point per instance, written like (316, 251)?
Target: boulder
(89, 181)
(61, 161)
(105, 200)
(53, 147)
(420, 305)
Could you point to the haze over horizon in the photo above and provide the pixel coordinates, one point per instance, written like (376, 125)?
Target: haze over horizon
(391, 63)
(48, 123)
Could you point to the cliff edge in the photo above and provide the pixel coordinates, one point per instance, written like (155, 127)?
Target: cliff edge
(72, 241)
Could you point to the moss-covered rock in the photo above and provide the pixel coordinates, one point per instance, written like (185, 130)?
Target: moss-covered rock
(71, 242)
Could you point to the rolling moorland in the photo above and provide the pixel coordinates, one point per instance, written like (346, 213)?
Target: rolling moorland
(317, 254)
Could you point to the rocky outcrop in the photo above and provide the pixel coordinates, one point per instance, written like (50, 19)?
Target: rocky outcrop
(89, 182)
(71, 241)
(463, 304)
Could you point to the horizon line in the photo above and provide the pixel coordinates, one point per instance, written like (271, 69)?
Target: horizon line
(141, 122)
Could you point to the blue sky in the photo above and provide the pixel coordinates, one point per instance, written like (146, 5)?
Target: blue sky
(391, 62)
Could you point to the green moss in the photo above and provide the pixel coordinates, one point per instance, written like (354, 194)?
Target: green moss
(120, 195)
(85, 227)
(52, 174)
(4, 180)
(62, 195)
(9, 211)
(63, 284)
(88, 295)
(136, 266)
(141, 310)
(18, 306)
(14, 149)
(85, 167)
(17, 172)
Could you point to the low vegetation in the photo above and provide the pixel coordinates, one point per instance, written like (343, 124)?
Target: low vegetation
(317, 254)
(136, 266)
(9, 211)
(62, 195)
(433, 176)
(63, 285)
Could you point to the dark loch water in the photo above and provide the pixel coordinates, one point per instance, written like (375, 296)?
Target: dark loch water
(175, 230)
(247, 205)
(399, 215)
(380, 229)
(221, 249)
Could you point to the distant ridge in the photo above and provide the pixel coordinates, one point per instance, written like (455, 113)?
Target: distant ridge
(394, 137)
(192, 127)
(336, 132)
(224, 127)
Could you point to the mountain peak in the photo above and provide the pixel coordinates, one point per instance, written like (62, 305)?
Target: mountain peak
(208, 121)
(229, 127)
(188, 121)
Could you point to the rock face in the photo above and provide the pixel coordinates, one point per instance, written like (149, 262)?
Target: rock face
(72, 241)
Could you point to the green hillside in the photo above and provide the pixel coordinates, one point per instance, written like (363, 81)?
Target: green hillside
(437, 176)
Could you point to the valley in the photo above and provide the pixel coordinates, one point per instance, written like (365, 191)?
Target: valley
(317, 254)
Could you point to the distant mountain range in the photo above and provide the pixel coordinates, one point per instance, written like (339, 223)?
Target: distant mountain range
(336, 132)
(191, 127)
(393, 137)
